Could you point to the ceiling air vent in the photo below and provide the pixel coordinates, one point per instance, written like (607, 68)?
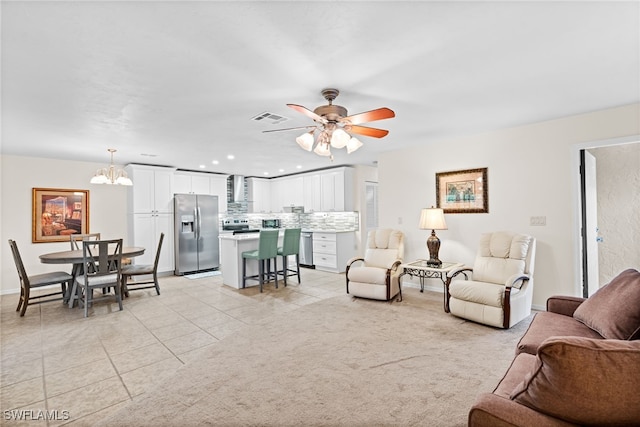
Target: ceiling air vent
(270, 118)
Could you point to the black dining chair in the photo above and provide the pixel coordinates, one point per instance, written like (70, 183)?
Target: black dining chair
(27, 283)
(102, 264)
(129, 271)
(77, 239)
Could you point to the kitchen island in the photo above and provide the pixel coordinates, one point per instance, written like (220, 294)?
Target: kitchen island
(231, 248)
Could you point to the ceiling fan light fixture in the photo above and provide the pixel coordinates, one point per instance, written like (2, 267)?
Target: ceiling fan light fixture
(305, 141)
(353, 145)
(340, 138)
(322, 149)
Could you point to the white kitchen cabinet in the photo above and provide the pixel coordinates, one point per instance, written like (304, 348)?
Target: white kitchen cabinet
(329, 191)
(287, 191)
(332, 250)
(150, 209)
(312, 190)
(191, 183)
(218, 187)
(260, 195)
(152, 189)
(146, 229)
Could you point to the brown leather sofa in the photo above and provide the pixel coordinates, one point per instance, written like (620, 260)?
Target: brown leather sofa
(577, 364)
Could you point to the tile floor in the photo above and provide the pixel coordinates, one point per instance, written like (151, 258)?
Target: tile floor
(57, 364)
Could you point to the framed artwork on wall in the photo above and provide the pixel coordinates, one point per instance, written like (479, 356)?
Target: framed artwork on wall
(58, 213)
(463, 191)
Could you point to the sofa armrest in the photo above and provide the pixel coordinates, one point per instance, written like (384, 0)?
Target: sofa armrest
(491, 410)
(566, 305)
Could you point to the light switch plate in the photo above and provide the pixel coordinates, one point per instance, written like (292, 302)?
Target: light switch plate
(538, 220)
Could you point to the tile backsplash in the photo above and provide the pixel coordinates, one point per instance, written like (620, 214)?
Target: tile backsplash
(333, 221)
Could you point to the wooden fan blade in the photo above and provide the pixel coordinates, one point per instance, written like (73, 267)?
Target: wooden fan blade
(307, 112)
(370, 116)
(280, 130)
(366, 131)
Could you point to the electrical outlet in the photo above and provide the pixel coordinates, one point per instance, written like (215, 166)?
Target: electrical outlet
(538, 220)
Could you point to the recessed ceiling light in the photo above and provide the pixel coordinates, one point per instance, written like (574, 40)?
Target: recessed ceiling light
(202, 166)
(266, 173)
(281, 170)
(215, 162)
(231, 157)
(299, 167)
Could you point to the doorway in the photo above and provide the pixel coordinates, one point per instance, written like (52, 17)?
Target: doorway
(608, 204)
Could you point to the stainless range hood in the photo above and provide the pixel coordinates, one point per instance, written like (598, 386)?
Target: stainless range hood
(236, 183)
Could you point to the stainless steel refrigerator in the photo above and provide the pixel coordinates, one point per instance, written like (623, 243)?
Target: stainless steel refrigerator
(196, 233)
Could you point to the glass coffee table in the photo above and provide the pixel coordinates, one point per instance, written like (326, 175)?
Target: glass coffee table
(422, 270)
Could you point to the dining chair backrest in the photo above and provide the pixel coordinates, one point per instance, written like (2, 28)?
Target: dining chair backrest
(77, 239)
(102, 258)
(22, 273)
(268, 244)
(157, 260)
(291, 241)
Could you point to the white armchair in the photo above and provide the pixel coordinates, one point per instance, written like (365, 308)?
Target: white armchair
(498, 290)
(376, 275)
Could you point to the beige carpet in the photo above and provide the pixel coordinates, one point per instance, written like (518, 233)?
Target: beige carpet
(338, 362)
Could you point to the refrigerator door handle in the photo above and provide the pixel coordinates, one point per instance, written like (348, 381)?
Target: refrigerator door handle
(196, 227)
(199, 219)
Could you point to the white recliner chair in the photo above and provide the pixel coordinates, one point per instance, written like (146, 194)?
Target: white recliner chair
(376, 275)
(498, 290)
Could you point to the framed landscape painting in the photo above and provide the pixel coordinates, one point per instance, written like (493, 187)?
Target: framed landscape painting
(58, 213)
(464, 191)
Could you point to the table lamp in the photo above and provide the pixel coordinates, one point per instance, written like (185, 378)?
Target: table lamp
(433, 219)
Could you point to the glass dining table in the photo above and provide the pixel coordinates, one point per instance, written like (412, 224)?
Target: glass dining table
(75, 258)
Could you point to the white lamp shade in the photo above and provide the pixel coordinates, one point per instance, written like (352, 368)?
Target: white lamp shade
(322, 149)
(99, 178)
(353, 145)
(305, 141)
(123, 180)
(432, 219)
(340, 138)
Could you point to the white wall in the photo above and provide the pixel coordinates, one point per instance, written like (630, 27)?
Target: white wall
(530, 173)
(107, 210)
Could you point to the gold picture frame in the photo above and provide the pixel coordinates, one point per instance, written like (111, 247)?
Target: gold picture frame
(463, 191)
(58, 213)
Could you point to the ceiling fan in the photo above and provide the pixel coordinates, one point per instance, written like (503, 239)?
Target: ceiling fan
(334, 126)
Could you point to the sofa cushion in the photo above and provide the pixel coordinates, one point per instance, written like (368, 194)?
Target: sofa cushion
(478, 292)
(545, 325)
(585, 381)
(373, 275)
(614, 310)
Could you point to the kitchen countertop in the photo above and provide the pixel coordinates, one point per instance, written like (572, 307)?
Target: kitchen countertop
(249, 236)
(315, 230)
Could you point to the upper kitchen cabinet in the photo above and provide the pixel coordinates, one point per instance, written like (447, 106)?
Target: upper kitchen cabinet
(312, 190)
(191, 183)
(185, 182)
(152, 189)
(259, 192)
(329, 191)
(218, 187)
(287, 191)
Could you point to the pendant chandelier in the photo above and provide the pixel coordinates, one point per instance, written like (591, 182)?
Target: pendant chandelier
(110, 175)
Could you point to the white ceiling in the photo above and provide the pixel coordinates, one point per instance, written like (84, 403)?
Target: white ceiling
(182, 80)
